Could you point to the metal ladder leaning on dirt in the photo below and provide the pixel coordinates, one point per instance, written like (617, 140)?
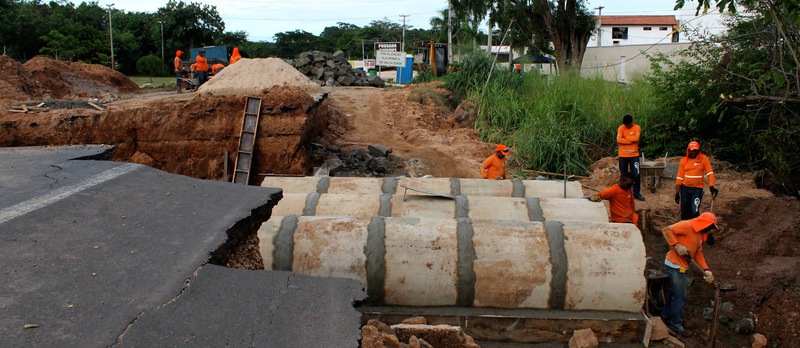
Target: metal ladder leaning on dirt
(247, 140)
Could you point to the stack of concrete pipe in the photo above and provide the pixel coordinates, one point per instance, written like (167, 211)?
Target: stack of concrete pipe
(478, 243)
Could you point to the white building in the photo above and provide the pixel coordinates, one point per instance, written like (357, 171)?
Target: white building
(635, 30)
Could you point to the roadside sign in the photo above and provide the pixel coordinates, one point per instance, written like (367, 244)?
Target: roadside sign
(369, 63)
(387, 46)
(388, 58)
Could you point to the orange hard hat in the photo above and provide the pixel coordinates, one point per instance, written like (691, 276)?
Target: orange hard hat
(178, 53)
(704, 220)
(501, 148)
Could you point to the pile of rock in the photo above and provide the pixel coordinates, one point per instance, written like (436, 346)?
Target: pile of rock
(414, 333)
(333, 70)
(373, 161)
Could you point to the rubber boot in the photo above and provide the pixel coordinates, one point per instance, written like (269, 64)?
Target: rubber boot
(179, 88)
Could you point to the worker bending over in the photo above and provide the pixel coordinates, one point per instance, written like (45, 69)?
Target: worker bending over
(691, 180)
(620, 197)
(494, 167)
(685, 239)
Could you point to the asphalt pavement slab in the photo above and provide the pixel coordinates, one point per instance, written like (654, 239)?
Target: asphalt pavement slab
(90, 249)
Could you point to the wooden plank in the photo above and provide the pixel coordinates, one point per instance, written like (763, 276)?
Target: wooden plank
(24, 107)
(98, 107)
(19, 111)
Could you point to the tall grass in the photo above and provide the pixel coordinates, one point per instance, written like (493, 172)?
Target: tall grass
(552, 121)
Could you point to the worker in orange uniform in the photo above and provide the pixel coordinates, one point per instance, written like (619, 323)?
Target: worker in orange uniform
(217, 68)
(201, 68)
(178, 63)
(623, 206)
(235, 56)
(494, 167)
(685, 239)
(691, 180)
(628, 139)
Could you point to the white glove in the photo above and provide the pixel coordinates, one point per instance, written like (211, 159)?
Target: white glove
(594, 198)
(708, 277)
(681, 250)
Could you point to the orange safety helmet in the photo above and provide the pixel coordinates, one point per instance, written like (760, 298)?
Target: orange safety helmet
(703, 221)
(178, 53)
(501, 148)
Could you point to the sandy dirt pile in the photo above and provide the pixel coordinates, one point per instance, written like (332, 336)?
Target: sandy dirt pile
(78, 79)
(254, 76)
(17, 82)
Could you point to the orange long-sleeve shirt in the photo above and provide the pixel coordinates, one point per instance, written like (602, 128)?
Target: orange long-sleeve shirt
(201, 64)
(494, 167)
(685, 234)
(628, 140)
(692, 172)
(623, 208)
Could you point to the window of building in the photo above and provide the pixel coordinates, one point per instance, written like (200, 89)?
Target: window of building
(675, 37)
(648, 28)
(663, 28)
(619, 33)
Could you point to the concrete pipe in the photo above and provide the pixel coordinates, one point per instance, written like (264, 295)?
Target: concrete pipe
(461, 262)
(447, 186)
(475, 208)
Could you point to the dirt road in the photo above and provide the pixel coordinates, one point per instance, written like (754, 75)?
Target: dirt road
(430, 145)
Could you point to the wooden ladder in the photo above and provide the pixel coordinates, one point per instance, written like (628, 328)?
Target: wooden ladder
(247, 140)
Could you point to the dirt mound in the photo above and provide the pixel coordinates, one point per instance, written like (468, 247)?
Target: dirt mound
(78, 79)
(254, 76)
(17, 83)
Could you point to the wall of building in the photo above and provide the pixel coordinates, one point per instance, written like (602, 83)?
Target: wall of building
(637, 35)
(623, 63)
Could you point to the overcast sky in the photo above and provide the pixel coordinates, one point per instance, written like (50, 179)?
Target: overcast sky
(262, 19)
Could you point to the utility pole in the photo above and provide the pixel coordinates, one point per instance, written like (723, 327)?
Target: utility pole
(162, 41)
(363, 55)
(403, 45)
(599, 24)
(449, 32)
(111, 37)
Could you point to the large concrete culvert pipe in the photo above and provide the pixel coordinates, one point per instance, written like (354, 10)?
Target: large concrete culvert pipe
(450, 186)
(408, 261)
(473, 207)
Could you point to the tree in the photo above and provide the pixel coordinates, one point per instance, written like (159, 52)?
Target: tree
(57, 43)
(150, 65)
(290, 44)
(739, 94)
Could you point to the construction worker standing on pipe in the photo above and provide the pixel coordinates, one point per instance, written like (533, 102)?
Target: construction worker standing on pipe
(691, 180)
(623, 206)
(494, 167)
(685, 239)
(628, 135)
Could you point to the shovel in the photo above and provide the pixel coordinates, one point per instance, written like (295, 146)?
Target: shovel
(715, 324)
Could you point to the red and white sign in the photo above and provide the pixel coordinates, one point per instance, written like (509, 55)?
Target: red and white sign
(369, 63)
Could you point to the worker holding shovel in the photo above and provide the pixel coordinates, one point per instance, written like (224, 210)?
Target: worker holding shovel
(685, 239)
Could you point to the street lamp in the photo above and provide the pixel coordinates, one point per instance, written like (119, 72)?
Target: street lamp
(162, 40)
(111, 37)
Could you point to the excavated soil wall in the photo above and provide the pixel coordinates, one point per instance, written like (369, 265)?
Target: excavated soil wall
(187, 137)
